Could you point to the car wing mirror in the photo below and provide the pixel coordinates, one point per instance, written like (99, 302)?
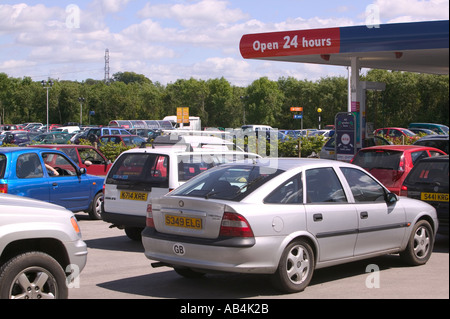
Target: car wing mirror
(391, 198)
(82, 171)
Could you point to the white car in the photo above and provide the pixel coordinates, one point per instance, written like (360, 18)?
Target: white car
(140, 175)
(284, 217)
(41, 249)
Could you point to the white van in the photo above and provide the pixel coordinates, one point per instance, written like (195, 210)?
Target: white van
(68, 129)
(138, 175)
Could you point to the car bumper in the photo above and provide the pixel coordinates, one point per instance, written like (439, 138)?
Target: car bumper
(261, 257)
(77, 252)
(124, 220)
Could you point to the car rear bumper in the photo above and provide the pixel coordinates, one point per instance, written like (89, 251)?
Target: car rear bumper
(120, 219)
(261, 257)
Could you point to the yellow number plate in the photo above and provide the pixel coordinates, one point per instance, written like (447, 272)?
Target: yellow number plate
(184, 222)
(434, 197)
(133, 196)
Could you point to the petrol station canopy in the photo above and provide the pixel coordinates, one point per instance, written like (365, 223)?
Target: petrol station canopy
(415, 47)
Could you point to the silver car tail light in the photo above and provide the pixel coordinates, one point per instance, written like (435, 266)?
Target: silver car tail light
(235, 225)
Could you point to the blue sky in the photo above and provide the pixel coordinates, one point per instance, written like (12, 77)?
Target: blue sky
(175, 39)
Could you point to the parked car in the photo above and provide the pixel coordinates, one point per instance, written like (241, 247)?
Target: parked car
(94, 133)
(84, 156)
(50, 138)
(41, 249)
(17, 137)
(422, 131)
(125, 140)
(328, 150)
(390, 164)
(428, 181)
(140, 175)
(437, 141)
(68, 129)
(396, 133)
(146, 133)
(438, 128)
(51, 176)
(281, 218)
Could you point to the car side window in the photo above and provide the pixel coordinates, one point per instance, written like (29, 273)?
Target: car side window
(415, 156)
(290, 192)
(90, 155)
(59, 163)
(323, 186)
(29, 166)
(2, 165)
(364, 188)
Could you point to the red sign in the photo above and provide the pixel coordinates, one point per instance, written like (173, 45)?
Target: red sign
(302, 42)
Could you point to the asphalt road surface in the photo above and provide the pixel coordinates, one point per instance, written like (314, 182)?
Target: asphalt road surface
(117, 269)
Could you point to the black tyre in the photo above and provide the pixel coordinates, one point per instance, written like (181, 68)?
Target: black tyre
(95, 213)
(188, 272)
(420, 245)
(32, 275)
(134, 233)
(296, 267)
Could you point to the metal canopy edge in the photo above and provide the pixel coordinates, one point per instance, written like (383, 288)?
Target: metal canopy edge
(414, 47)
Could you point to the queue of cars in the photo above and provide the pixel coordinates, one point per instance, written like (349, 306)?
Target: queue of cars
(241, 207)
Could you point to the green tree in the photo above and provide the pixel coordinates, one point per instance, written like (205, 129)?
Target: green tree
(264, 102)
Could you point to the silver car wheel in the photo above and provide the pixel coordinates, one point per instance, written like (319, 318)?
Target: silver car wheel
(296, 267)
(421, 242)
(297, 264)
(34, 283)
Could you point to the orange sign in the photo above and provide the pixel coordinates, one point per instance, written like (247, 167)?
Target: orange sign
(182, 115)
(296, 109)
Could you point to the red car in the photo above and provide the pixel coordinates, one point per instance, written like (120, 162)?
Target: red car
(390, 164)
(396, 132)
(84, 156)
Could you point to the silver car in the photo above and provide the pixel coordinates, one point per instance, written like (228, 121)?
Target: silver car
(284, 217)
(41, 249)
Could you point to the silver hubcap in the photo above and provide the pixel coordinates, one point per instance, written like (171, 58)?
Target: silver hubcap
(34, 283)
(421, 242)
(298, 264)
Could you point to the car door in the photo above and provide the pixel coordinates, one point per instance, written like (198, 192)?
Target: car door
(381, 226)
(68, 189)
(329, 215)
(99, 165)
(30, 180)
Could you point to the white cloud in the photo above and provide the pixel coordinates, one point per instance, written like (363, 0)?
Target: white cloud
(110, 6)
(195, 15)
(412, 10)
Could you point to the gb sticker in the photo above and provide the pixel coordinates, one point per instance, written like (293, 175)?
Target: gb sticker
(179, 249)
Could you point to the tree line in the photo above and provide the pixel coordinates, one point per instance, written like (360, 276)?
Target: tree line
(409, 97)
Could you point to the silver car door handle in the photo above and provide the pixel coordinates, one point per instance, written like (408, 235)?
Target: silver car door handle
(364, 215)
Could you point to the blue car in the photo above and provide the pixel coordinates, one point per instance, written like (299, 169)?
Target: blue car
(51, 176)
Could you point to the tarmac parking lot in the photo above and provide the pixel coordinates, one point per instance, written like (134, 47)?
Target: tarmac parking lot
(117, 269)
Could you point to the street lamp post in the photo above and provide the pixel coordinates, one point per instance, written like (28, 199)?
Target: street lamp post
(47, 85)
(81, 99)
(319, 110)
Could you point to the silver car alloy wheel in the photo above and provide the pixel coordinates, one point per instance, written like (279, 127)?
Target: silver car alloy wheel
(422, 242)
(298, 264)
(34, 283)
